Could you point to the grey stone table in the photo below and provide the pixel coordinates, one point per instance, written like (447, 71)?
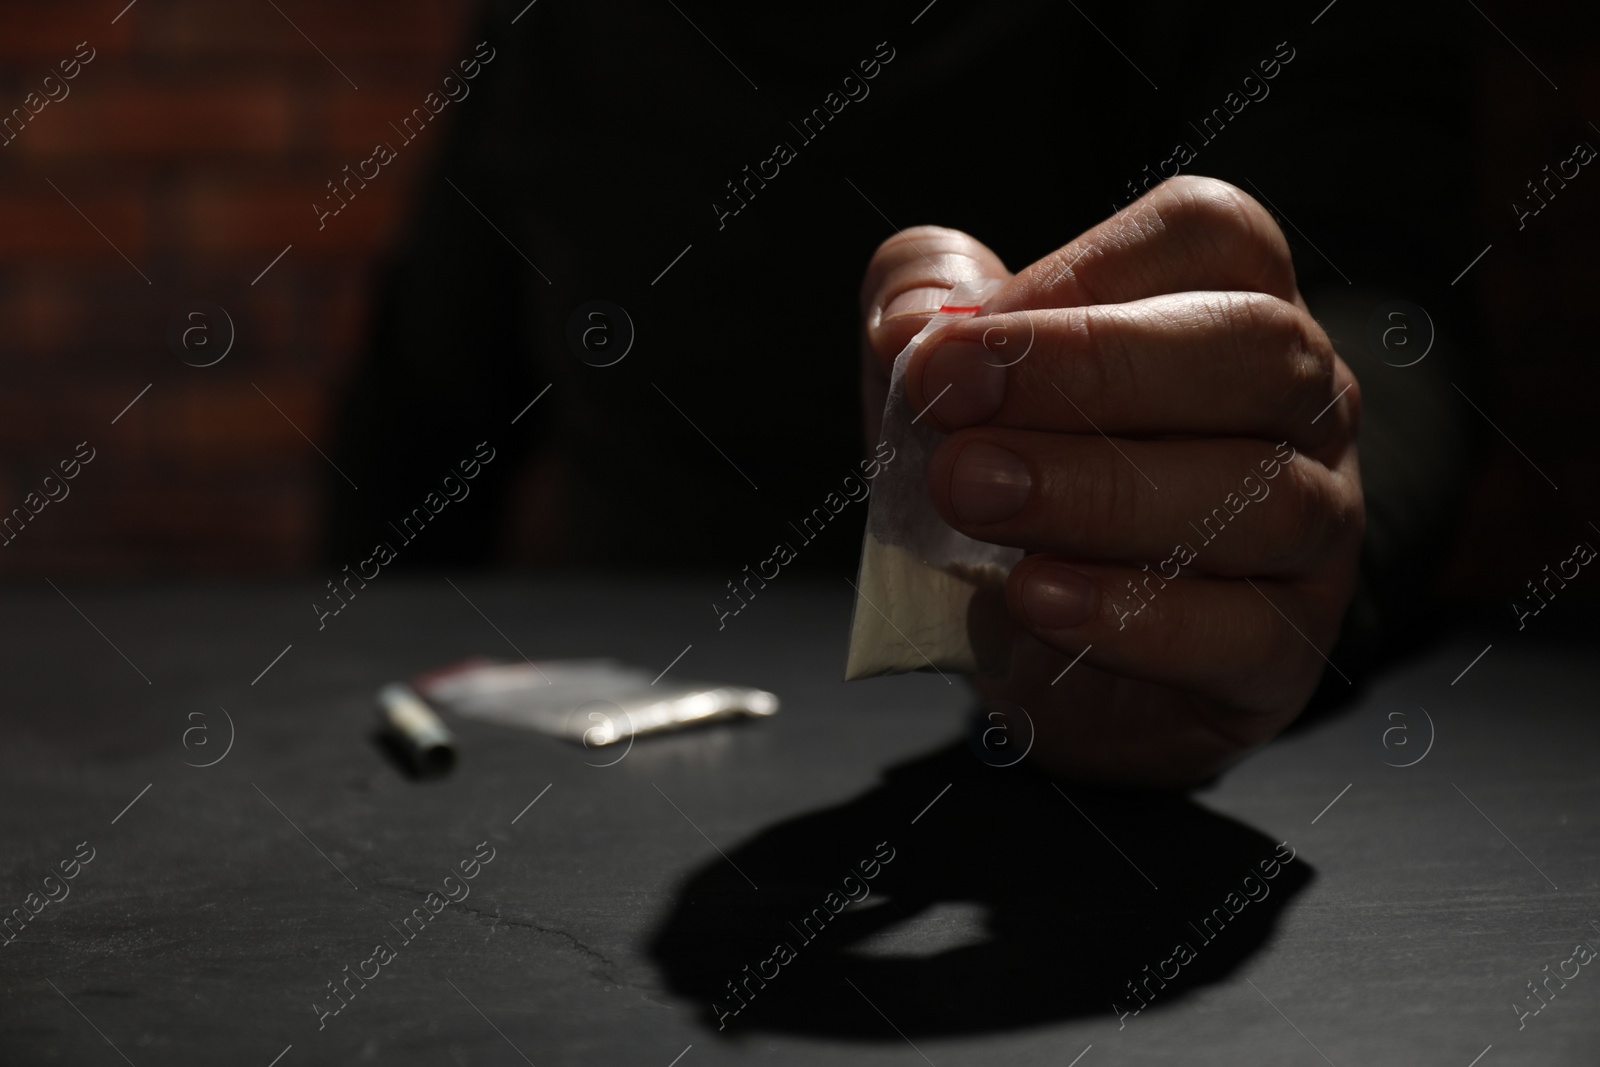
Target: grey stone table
(847, 882)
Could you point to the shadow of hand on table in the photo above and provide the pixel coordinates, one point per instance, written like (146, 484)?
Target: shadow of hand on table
(1011, 900)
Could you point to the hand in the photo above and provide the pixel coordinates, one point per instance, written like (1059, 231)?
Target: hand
(1154, 416)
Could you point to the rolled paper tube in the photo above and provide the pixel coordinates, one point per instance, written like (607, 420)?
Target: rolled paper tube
(421, 736)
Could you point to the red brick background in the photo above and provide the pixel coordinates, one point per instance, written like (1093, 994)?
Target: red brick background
(196, 140)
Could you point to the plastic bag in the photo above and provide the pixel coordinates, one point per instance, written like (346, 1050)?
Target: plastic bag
(927, 596)
(595, 702)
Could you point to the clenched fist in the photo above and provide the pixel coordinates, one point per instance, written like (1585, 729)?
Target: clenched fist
(1152, 414)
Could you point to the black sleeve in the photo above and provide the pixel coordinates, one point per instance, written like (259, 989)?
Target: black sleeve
(447, 360)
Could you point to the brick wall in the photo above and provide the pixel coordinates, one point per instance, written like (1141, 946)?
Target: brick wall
(195, 140)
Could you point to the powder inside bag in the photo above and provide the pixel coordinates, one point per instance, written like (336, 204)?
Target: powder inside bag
(949, 618)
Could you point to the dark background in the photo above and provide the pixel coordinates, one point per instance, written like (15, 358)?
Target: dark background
(201, 133)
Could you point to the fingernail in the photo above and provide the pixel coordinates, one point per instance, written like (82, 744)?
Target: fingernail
(1056, 598)
(988, 484)
(915, 302)
(966, 381)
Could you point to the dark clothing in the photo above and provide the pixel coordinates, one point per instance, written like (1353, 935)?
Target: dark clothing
(605, 138)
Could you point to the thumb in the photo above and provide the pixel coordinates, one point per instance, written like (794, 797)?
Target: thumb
(906, 281)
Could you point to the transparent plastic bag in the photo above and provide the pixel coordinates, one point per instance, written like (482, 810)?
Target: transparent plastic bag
(927, 596)
(592, 701)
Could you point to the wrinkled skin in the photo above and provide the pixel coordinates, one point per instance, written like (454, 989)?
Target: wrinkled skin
(1156, 372)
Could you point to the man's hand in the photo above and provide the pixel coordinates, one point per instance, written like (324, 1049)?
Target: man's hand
(1154, 416)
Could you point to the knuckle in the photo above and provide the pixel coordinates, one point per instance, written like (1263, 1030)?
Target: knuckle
(1085, 354)
(1249, 636)
(1273, 318)
(1345, 509)
(1176, 623)
(1353, 398)
(1282, 351)
(1269, 647)
(1073, 267)
(1239, 640)
(1207, 203)
(1094, 503)
(1302, 350)
(1227, 221)
(1311, 512)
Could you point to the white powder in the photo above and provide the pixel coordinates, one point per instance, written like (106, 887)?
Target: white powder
(911, 615)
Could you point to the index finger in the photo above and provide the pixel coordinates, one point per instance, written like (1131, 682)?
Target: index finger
(1188, 234)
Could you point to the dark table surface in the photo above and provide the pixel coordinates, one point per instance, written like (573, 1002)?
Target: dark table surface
(219, 906)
